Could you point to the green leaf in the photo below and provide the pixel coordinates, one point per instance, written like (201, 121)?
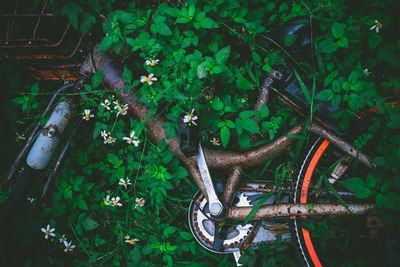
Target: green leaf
(357, 186)
(244, 140)
(303, 87)
(96, 79)
(19, 100)
(89, 224)
(147, 249)
(106, 43)
(337, 30)
(253, 211)
(267, 67)
(208, 23)
(325, 95)
(217, 104)
(246, 114)
(163, 29)
(225, 136)
(374, 40)
(327, 46)
(186, 236)
(201, 71)
(243, 83)
(392, 201)
(250, 125)
(127, 75)
(336, 100)
(269, 6)
(343, 42)
(256, 57)
(264, 112)
(222, 55)
(82, 205)
(87, 24)
(290, 40)
(371, 183)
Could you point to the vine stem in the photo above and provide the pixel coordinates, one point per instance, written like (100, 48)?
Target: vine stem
(77, 237)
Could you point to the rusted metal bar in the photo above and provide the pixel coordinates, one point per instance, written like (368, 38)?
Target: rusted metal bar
(264, 93)
(287, 210)
(227, 160)
(230, 186)
(250, 237)
(341, 144)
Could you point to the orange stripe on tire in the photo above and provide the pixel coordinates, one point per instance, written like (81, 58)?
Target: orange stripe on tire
(303, 199)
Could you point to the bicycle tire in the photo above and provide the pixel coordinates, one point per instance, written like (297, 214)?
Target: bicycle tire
(17, 194)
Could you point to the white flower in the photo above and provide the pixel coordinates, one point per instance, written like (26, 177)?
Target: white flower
(68, 246)
(122, 110)
(62, 239)
(20, 136)
(109, 140)
(31, 199)
(152, 63)
(139, 202)
(48, 231)
(124, 183)
(366, 72)
(131, 241)
(106, 104)
(132, 139)
(243, 100)
(190, 118)
(117, 104)
(104, 134)
(115, 201)
(107, 201)
(149, 79)
(87, 115)
(377, 26)
(215, 141)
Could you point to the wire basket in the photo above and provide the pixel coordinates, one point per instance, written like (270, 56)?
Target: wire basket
(46, 43)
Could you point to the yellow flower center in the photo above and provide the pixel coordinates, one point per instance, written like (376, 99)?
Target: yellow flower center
(214, 142)
(122, 110)
(148, 79)
(68, 248)
(47, 233)
(19, 137)
(132, 242)
(378, 24)
(152, 64)
(115, 203)
(191, 115)
(87, 116)
(109, 140)
(105, 203)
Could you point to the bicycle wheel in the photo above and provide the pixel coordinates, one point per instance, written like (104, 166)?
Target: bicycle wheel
(329, 240)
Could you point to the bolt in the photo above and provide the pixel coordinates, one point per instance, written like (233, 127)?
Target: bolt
(29, 42)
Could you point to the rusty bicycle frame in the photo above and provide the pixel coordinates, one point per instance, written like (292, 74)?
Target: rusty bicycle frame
(61, 66)
(232, 162)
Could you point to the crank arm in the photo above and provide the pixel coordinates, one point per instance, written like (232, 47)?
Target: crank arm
(215, 206)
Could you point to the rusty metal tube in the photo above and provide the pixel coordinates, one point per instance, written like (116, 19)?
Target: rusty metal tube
(341, 144)
(287, 210)
(230, 186)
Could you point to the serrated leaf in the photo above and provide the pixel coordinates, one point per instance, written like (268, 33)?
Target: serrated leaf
(246, 114)
(217, 104)
(201, 71)
(264, 112)
(186, 236)
(222, 55)
(163, 29)
(243, 83)
(325, 95)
